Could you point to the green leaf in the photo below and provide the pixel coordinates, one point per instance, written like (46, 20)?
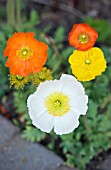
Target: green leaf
(102, 26)
(107, 53)
(33, 134)
(92, 109)
(59, 35)
(34, 17)
(66, 53)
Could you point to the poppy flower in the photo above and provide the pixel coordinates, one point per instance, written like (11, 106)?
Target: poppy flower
(86, 65)
(82, 37)
(58, 104)
(25, 54)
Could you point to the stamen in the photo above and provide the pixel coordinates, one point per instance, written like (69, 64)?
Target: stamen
(24, 53)
(83, 38)
(57, 104)
(87, 61)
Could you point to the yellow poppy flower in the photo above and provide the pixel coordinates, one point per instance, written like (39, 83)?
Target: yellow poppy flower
(86, 65)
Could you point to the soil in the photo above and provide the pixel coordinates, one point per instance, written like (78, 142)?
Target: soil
(100, 161)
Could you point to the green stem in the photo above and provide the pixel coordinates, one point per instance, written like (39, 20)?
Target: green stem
(8, 11)
(87, 127)
(104, 104)
(18, 14)
(11, 12)
(55, 68)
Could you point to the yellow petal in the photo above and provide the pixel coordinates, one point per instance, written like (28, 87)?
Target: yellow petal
(86, 65)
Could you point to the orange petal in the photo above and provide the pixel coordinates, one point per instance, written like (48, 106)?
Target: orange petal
(79, 29)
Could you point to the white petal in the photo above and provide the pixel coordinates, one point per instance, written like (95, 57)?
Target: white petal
(71, 86)
(35, 105)
(66, 123)
(48, 87)
(44, 122)
(79, 104)
(37, 112)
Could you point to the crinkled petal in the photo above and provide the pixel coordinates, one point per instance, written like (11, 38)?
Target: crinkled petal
(16, 66)
(67, 123)
(40, 118)
(74, 88)
(79, 104)
(49, 87)
(44, 122)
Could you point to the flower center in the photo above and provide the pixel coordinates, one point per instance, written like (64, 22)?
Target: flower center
(57, 104)
(83, 38)
(87, 61)
(24, 53)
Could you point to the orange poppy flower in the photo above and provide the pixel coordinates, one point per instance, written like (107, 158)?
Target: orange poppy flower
(82, 37)
(25, 54)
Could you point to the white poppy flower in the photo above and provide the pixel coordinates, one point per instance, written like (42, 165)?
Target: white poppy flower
(58, 104)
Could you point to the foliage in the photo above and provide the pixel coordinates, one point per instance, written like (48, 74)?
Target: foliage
(94, 132)
(33, 134)
(4, 85)
(103, 28)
